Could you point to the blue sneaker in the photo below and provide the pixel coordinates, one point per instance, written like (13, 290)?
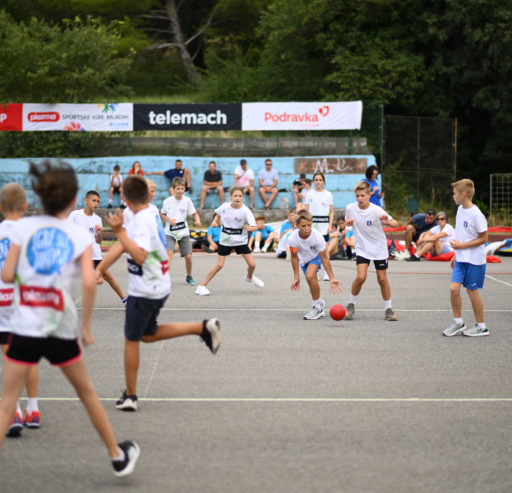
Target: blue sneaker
(190, 281)
(15, 427)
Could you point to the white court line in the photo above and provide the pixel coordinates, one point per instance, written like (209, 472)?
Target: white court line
(238, 309)
(295, 399)
(498, 280)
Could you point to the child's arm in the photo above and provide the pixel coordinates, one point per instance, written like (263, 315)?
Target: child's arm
(116, 223)
(385, 219)
(216, 221)
(197, 220)
(88, 293)
(250, 228)
(98, 231)
(331, 218)
(168, 219)
(114, 252)
(456, 244)
(335, 287)
(295, 266)
(11, 261)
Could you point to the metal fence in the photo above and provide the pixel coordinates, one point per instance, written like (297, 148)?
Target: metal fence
(500, 193)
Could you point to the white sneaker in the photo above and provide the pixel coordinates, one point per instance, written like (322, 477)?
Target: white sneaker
(264, 249)
(326, 276)
(454, 329)
(202, 290)
(256, 281)
(256, 250)
(476, 331)
(315, 313)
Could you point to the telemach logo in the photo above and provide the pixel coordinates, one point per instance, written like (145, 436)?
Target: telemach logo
(168, 118)
(42, 297)
(6, 296)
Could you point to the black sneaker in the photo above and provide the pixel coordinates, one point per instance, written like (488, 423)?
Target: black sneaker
(282, 254)
(413, 258)
(127, 402)
(211, 334)
(109, 206)
(131, 454)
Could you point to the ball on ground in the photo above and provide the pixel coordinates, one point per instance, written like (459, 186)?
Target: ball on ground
(337, 312)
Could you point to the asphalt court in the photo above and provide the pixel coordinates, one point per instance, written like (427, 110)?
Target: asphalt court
(289, 404)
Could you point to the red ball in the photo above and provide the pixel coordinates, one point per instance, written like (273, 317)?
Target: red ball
(337, 312)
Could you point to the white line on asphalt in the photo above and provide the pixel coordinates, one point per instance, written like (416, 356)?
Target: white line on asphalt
(497, 280)
(238, 309)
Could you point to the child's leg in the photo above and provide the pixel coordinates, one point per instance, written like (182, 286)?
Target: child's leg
(257, 240)
(170, 255)
(107, 276)
(77, 375)
(15, 376)
(110, 194)
(362, 272)
(456, 299)
(251, 265)
(188, 264)
(32, 382)
(172, 330)
(312, 280)
(217, 267)
(385, 289)
(131, 365)
(477, 304)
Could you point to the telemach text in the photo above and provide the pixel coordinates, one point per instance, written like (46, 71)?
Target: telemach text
(168, 118)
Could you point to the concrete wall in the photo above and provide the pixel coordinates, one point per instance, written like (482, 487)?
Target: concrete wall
(93, 174)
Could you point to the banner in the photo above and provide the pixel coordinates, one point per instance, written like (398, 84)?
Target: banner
(109, 117)
(207, 116)
(302, 116)
(11, 116)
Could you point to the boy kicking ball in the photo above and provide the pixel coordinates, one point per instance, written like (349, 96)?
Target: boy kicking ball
(307, 248)
(367, 220)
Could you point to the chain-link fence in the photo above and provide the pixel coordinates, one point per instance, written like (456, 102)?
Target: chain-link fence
(500, 193)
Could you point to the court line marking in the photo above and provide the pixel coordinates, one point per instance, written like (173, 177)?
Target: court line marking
(294, 399)
(498, 280)
(238, 309)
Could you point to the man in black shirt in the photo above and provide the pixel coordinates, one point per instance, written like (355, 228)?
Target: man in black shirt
(212, 183)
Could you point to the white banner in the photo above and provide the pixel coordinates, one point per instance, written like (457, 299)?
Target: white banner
(108, 117)
(302, 116)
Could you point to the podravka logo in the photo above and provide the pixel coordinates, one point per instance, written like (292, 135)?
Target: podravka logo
(306, 117)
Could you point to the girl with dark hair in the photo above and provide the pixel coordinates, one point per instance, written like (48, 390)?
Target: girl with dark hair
(371, 178)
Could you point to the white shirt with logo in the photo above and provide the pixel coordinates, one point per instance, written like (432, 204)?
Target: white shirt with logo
(89, 223)
(116, 180)
(450, 234)
(469, 224)
(177, 210)
(319, 205)
(233, 221)
(151, 279)
(244, 177)
(307, 248)
(6, 289)
(48, 266)
(371, 241)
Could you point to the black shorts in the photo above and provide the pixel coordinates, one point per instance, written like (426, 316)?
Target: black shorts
(141, 315)
(96, 262)
(117, 190)
(4, 337)
(326, 237)
(379, 264)
(29, 350)
(224, 250)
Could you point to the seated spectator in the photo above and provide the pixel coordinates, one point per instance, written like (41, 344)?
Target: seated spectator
(263, 237)
(342, 241)
(213, 236)
(371, 174)
(435, 240)
(116, 186)
(244, 178)
(136, 169)
(177, 172)
(212, 183)
(289, 224)
(267, 179)
(418, 224)
(304, 194)
(297, 186)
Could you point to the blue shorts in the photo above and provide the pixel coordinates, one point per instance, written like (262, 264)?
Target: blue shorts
(141, 315)
(316, 261)
(469, 275)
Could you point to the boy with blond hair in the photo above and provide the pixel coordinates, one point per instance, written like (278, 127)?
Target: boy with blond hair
(469, 262)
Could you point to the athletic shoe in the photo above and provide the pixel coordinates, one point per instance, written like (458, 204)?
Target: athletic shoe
(123, 206)
(351, 308)
(389, 315)
(454, 329)
(256, 250)
(256, 281)
(109, 206)
(190, 281)
(326, 276)
(413, 258)
(15, 427)
(316, 312)
(202, 290)
(127, 402)
(476, 331)
(264, 249)
(131, 454)
(211, 334)
(124, 300)
(282, 254)
(32, 420)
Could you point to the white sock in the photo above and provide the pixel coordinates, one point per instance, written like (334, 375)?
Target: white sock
(120, 457)
(353, 298)
(482, 325)
(18, 408)
(265, 248)
(458, 321)
(109, 201)
(387, 304)
(32, 405)
(319, 303)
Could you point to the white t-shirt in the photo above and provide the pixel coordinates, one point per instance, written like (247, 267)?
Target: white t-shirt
(468, 226)
(319, 205)
(6, 289)
(116, 180)
(177, 210)
(48, 266)
(244, 177)
(233, 221)
(89, 223)
(450, 234)
(371, 241)
(151, 279)
(268, 177)
(128, 215)
(305, 193)
(307, 248)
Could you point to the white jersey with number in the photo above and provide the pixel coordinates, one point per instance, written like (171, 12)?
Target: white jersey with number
(89, 223)
(233, 222)
(307, 248)
(48, 266)
(177, 210)
(6, 289)
(151, 279)
(319, 205)
(371, 241)
(469, 224)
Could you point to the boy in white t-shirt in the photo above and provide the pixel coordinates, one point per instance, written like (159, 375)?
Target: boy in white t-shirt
(90, 221)
(307, 248)
(116, 186)
(174, 212)
(367, 220)
(143, 239)
(469, 262)
(13, 204)
(436, 240)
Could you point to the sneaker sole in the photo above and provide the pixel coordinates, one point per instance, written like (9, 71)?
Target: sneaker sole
(216, 337)
(476, 335)
(131, 465)
(391, 319)
(127, 407)
(461, 330)
(32, 425)
(321, 315)
(14, 431)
